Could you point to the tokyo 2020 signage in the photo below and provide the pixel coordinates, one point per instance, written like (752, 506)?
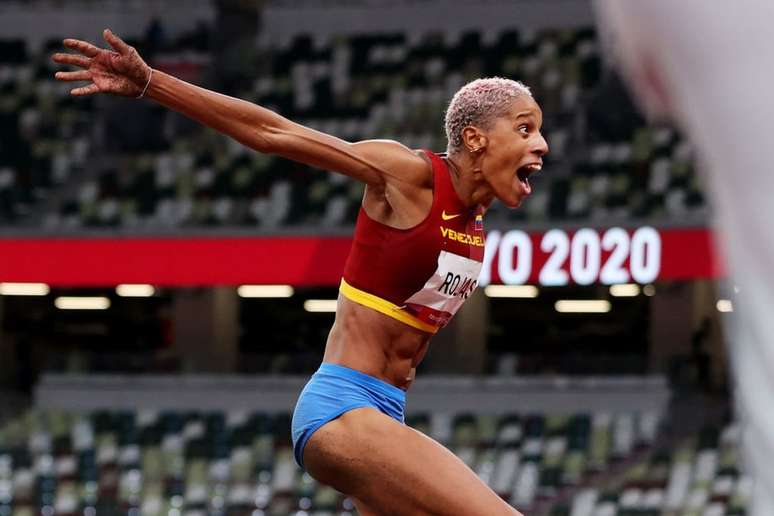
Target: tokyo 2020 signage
(584, 257)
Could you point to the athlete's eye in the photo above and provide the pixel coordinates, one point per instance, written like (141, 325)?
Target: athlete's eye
(524, 129)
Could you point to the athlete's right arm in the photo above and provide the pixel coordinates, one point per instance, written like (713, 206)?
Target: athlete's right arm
(373, 161)
(123, 72)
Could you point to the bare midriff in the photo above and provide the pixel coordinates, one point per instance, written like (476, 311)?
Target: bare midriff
(375, 344)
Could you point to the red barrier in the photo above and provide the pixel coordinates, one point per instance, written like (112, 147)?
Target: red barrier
(553, 258)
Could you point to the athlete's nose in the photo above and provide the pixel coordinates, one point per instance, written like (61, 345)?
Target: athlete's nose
(540, 146)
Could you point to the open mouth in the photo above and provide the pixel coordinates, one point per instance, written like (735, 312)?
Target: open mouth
(524, 172)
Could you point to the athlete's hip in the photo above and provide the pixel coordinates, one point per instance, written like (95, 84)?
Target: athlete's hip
(334, 390)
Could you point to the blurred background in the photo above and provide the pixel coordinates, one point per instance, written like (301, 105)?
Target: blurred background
(165, 292)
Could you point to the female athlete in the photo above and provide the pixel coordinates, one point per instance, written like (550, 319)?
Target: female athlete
(415, 258)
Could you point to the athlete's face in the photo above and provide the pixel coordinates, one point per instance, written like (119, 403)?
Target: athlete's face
(514, 149)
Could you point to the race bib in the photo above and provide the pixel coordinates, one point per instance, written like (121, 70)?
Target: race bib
(452, 283)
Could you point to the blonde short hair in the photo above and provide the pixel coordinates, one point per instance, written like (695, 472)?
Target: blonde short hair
(480, 103)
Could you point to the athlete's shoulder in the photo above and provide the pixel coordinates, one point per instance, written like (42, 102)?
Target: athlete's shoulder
(398, 162)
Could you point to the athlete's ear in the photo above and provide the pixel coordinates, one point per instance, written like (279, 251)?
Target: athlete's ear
(474, 139)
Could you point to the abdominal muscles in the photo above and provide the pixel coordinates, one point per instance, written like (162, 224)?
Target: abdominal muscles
(375, 344)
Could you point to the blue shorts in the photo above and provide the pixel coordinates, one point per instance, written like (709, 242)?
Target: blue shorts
(334, 390)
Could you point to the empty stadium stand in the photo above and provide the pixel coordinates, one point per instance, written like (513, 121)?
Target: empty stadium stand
(66, 164)
(191, 463)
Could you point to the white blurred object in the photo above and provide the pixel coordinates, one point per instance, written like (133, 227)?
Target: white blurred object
(709, 66)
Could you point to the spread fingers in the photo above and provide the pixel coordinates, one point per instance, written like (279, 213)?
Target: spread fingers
(80, 75)
(85, 90)
(83, 47)
(72, 59)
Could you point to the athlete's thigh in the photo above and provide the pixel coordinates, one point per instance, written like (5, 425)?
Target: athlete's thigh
(393, 469)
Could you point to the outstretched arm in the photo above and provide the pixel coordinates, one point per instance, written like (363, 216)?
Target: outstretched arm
(123, 72)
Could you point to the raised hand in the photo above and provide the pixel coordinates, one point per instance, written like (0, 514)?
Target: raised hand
(120, 71)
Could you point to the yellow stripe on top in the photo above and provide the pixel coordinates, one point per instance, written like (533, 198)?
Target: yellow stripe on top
(382, 305)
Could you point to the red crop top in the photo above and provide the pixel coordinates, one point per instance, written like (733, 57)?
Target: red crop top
(422, 275)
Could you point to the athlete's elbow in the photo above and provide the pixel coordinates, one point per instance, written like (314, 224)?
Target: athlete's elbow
(261, 137)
